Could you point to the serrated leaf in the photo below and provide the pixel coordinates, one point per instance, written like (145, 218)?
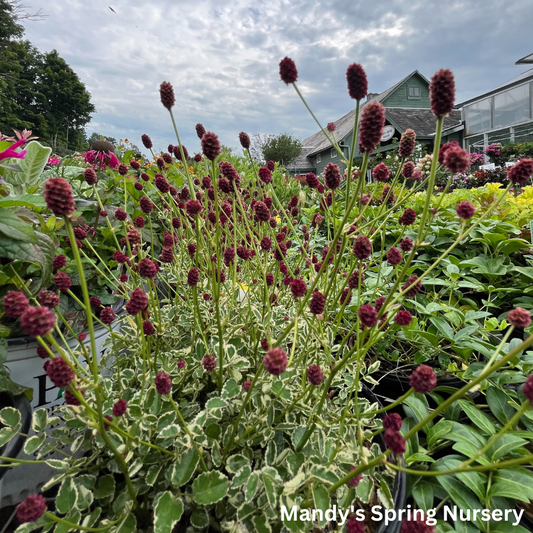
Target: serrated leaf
(39, 421)
(215, 403)
(241, 476)
(236, 462)
(200, 518)
(152, 475)
(182, 471)
(170, 431)
(322, 502)
(261, 524)
(231, 389)
(251, 486)
(209, 488)
(167, 512)
(33, 443)
(67, 496)
(105, 487)
(9, 416)
(57, 464)
(14, 227)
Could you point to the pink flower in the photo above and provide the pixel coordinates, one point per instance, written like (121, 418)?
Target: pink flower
(8, 153)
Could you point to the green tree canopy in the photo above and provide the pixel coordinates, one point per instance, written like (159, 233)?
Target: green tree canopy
(282, 148)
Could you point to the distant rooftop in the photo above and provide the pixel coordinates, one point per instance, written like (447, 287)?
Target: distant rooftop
(525, 60)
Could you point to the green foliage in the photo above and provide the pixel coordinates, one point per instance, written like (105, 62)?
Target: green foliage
(282, 148)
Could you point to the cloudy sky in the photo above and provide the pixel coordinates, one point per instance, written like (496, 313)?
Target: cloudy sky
(222, 56)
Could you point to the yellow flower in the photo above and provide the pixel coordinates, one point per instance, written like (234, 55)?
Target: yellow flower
(243, 286)
(493, 187)
(278, 220)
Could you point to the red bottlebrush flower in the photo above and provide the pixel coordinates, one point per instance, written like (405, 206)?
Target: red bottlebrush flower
(519, 318)
(354, 482)
(353, 525)
(229, 256)
(212, 217)
(272, 299)
(135, 164)
(456, 160)
(177, 153)
(271, 166)
(387, 195)
(120, 214)
(123, 278)
(197, 158)
(317, 220)
(15, 303)
(209, 363)
(161, 164)
(403, 318)
(147, 142)
(138, 302)
(246, 386)
(62, 281)
(273, 222)
(415, 289)
(181, 364)
(416, 525)
(147, 268)
(283, 268)
(184, 194)
(210, 146)
(353, 280)
(362, 247)
(42, 352)
(423, 379)
(394, 257)
(176, 223)
(228, 171)
(408, 169)
(193, 207)
(166, 92)
(59, 372)
(379, 303)
(406, 244)
(371, 127)
(417, 175)
(280, 252)
(262, 212)
(408, 217)
(395, 442)
(161, 183)
(163, 383)
(224, 185)
(70, 397)
(407, 143)
(191, 249)
(133, 236)
(332, 176)
(444, 148)
(31, 509)
(119, 257)
(166, 255)
(78, 243)
(145, 177)
(318, 302)
(193, 277)
(59, 262)
(58, 196)
(148, 327)
(206, 182)
(80, 233)
(243, 253)
(95, 302)
(146, 204)
(120, 407)
(315, 376)
(139, 222)
(320, 188)
(368, 315)
(269, 279)
(107, 315)
(346, 296)
(280, 237)
(264, 344)
(122, 169)
(381, 172)
(275, 361)
(520, 173)
(265, 175)
(465, 210)
(90, 176)
(244, 139)
(287, 71)
(331, 127)
(357, 81)
(138, 186)
(103, 213)
(442, 92)
(200, 130)
(268, 201)
(365, 199)
(298, 288)
(393, 421)
(311, 180)
(528, 389)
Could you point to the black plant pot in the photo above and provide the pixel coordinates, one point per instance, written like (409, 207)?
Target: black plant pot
(14, 447)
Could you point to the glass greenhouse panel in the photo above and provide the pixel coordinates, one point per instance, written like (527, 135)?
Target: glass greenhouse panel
(478, 117)
(512, 106)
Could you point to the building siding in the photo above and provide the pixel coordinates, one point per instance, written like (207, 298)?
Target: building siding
(400, 96)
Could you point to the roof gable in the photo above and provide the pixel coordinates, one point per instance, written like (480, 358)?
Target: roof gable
(399, 92)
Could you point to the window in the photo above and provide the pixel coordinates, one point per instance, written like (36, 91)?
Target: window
(318, 158)
(333, 153)
(512, 106)
(478, 117)
(414, 92)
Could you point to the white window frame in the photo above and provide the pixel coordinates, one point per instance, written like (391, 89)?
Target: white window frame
(318, 158)
(414, 90)
(333, 153)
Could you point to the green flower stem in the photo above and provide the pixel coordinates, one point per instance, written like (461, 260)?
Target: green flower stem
(186, 428)
(78, 527)
(21, 461)
(112, 283)
(101, 205)
(67, 360)
(184, 161)
(352, 149)
(392, 405)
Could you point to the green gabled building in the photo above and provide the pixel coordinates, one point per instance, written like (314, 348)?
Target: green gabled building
(406, 106)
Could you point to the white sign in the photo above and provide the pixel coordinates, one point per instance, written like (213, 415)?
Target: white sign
(388, 132)
(489, 166)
